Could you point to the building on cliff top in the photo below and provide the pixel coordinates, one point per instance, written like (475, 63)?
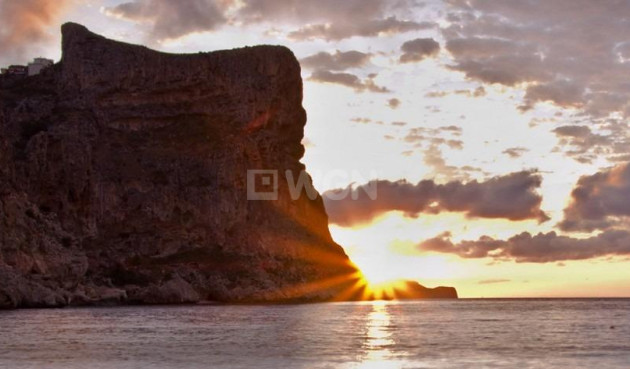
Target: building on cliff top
(33, 68)
(37, 65)
(16, 70)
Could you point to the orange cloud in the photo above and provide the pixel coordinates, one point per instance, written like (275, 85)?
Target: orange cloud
(27, 22)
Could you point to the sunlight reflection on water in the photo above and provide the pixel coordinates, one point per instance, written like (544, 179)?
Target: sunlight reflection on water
(552, 334)
(379, 339)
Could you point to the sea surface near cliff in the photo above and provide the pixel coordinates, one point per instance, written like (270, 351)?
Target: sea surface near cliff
(571, 333)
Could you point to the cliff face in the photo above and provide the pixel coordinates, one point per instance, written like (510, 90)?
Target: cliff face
(123, 179)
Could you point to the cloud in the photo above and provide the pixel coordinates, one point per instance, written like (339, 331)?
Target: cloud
(599, 201)
(436, 94)
(455, 130)
(512, 197)
(393, 103)
(330, 20)
(432, 141)
(348, 80)
(573, 131)
(370, 28)
(540, 248)
(566, 52)
(305, 11)
(418, 135)
(493, 60)
(173, 19)
(341, 60)
(333, 20)
(494, 281)
(25, 24)
(562, 93)
(515, 152)
(419, 49)
(569, 52)
(361, 120)
(581, 143)
(434, 158)
(477, 92)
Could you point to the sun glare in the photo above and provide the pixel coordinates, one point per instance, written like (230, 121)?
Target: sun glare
(382, 283)
(376, 272)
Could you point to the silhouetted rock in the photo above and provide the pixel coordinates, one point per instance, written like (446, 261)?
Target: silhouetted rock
(123, 179)
(414, 290)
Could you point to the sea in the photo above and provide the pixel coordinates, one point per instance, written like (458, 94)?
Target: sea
(465, 333)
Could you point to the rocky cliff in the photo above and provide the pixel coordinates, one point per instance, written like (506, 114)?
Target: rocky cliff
(124, 174)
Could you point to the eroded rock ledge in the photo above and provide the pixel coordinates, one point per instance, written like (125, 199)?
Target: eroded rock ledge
(123, 180)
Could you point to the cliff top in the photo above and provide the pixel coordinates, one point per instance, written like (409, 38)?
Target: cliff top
(89, 60)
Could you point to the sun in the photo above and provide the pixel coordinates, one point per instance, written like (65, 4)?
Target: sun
(380, 280)
(387, 266)
(386, 274)
(377, 271)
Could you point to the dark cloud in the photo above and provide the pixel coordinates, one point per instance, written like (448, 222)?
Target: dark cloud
(324, 19)
(599, 201)
(512, 197)
(570, 52)
(173, 19)
(573, 131)
(369, 28)
(305, 11)
(419, 49)
(562, 93)
(348, 80)
(478, 47)
(341, 60)
(333, 19)
(25, 24)
(540, 248)
(494, 60)
(581, 143)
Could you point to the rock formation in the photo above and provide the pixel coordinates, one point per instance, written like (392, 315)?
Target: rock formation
(123, 179)
(413, 290)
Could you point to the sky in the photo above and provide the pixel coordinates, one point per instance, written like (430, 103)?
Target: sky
(494, 132)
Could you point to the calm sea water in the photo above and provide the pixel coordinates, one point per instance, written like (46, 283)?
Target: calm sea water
(419, 334)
